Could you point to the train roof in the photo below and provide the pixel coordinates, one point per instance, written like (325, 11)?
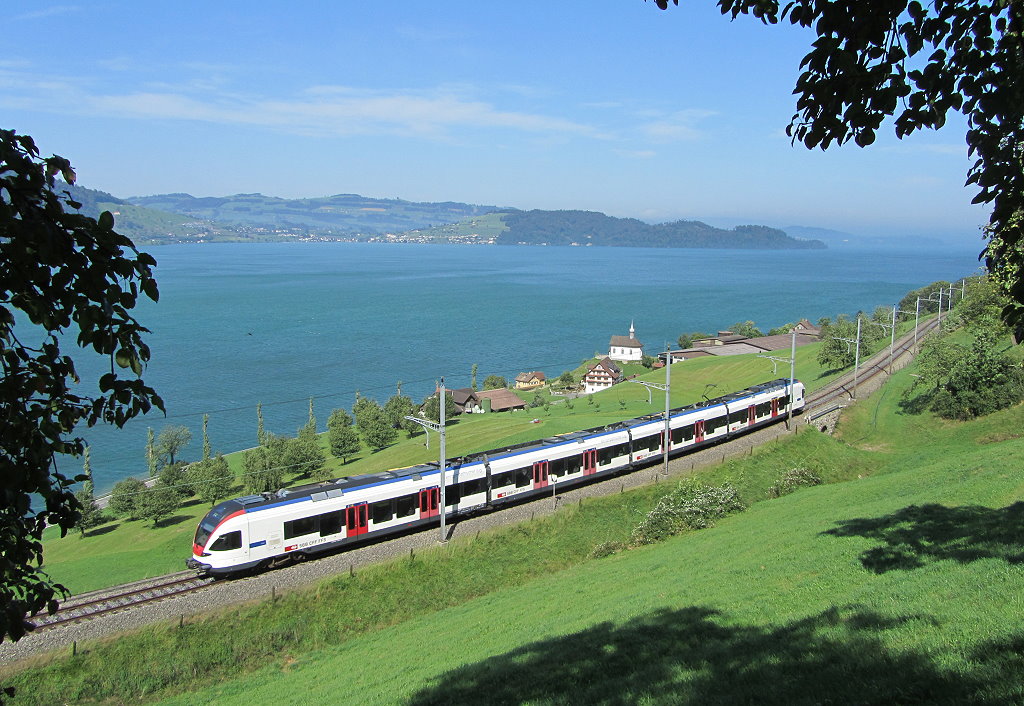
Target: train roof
(336, 488)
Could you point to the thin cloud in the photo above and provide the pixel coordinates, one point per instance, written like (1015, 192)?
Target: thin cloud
(334, 111)
(679, 126)
(46, 12)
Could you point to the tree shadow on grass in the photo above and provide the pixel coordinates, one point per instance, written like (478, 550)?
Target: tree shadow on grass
(915, 535)
(173, 520)
(915, 404)
(695, 656)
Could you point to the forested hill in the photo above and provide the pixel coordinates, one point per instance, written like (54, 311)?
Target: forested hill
(592, 228)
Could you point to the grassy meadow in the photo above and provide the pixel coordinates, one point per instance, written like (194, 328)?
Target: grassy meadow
(898, 581)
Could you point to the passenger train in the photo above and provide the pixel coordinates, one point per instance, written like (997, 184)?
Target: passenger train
(265, 530)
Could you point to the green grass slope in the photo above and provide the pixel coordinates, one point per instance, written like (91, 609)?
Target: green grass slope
(900, 585)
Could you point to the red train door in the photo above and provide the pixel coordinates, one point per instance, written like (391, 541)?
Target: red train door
(589, 462)
(751, 415)
(698, 431)
(430, 499)
(540, 474)
(356, 520)
(775, 406)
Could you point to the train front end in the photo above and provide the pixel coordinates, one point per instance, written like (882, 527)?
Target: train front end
(220, 546)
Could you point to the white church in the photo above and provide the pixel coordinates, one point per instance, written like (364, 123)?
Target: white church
(626, 348)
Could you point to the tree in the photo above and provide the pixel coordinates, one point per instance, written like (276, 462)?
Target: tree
(396, 409)
(91, 515)
(835, 353)
(430, 408)
(472, 377)
(303, 455)
(212, 479)
(375, 427)
(566, 379)
(263, 467)
(206, 438)
(124, 498)
(494, 382)
(261, 433)
(900, 59)
(648, 361)
(783, 330)
(746, 328)
(342, 439)
(151, 460)
(172, 440)
(74, 279)
(176, 477)
(980, 382)
(157, 502)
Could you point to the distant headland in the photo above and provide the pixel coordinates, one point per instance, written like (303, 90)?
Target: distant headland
(182, 218)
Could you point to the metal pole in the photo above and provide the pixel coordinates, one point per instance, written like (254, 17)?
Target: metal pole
(917, 317)
(856, 358)
(443, 462)
(792, 378)
(940, 307)
(668, 384)
(892, 337)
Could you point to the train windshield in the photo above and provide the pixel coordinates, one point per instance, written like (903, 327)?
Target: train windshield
(212, 519)
(204, 531)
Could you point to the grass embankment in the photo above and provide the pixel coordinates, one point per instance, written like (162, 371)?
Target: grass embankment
(123, 551)
(899, 586)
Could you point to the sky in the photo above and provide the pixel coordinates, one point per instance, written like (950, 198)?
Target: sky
(604, 105)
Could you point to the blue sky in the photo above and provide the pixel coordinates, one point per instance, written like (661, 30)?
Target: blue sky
(606, 105)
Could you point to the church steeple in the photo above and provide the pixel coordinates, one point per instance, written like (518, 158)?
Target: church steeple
(632, 331)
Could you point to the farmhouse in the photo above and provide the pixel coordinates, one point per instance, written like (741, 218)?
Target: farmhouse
(601, 376)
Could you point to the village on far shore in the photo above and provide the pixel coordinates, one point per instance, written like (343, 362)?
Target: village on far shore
(604, 373)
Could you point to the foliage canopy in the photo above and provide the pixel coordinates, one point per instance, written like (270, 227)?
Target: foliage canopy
(71, 277)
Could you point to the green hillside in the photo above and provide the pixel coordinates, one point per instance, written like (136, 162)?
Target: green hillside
(336, 215)
(896, 582)
(586, 228)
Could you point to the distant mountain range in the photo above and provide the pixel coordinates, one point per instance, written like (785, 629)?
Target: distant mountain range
(170, 218)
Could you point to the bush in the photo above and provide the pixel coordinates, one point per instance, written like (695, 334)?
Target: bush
(791, 480)
(606, 549)
(692, 505)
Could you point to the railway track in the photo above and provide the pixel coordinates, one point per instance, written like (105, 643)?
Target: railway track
(97, 603)
(878, 364)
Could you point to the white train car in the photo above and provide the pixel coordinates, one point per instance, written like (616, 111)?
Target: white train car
(265, 530)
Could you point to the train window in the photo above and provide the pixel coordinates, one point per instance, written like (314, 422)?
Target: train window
(472, 487)
(452, 494)
(381, 512)
(501, 480)
(710, 425)
(523, 477)
(784, 400)
(405, 506)
(557, 467)
(764, 409)
(573, 465)
(688, 432)
(330, 523)
(301, 526)
(736, 417)
(606, 456)
(650, 443)
(231, 540)
(677, 435)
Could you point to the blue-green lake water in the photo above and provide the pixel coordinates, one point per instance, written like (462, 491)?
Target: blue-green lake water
(280, 323)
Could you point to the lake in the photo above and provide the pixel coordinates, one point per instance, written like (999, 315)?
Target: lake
(279, 323)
